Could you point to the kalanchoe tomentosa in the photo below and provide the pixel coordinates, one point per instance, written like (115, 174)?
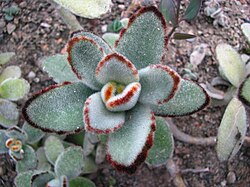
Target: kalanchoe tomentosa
(112, 96)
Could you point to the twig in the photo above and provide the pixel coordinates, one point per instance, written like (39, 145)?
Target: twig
(175, 173)
(177, 18)
(202, 170)
(69, 19)
(181, 136)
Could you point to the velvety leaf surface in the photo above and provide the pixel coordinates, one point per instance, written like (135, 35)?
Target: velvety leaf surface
(81, 181)
(83, 55)
(110, 38)
(54, 183)
(58, 108)
(245, 27)
(89, 165)
(34, 134)
(231, 64)
(244, 91)
(5, 57)
(98, 119)
(53, 147)
(3, 138)
(159, 84)
(116, 67)
(29, 161)
(23, 179)
(96, 38)
(232, 130)
(9, 114)
(128, 147)
(41, 179)
(14, 89)
(89, 9)
(143, 41)
(189, 98)
(58, 68)
(88, 147)
(10, 72)
(17, 133)
(43, 163)
(69, 162)
(168, 9)
(16, 156)
(100, 153)
(192, 9)
(163, 146)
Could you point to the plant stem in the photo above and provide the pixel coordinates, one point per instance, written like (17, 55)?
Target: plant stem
(175, 173)
(177, 18)
(181, 136)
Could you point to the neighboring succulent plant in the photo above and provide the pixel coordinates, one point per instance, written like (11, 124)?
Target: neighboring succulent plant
(113, 98)
(12, 88)
(89, 8)
(233, 125)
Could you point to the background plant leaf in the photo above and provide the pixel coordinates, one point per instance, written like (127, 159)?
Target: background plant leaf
(53, 148)
(244, 91)
(192, 9)
(9, 113)
(10, 72)
(183, 36)
(168, 9)
(5, 57)
(81, 181)
(34, 134)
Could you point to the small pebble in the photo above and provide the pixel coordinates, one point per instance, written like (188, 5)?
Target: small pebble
(10, 28)
(122, 7)
(36, 79)
(231, 177)
(31, 75)
(104, 28)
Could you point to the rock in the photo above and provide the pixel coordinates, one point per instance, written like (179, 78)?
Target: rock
(2, 24)
(198, 54)
(36, 79)
(122, 7)
(104, 28)
(231, 177)
(10, 28)
(31, 75)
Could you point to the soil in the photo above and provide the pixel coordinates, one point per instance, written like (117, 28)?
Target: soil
(38, 30)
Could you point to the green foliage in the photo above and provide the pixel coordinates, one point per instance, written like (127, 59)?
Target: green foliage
(53, 148)
(9, 114)
(115, 26)
(81, 181)
(163, 147)
(23, 179)
(34, 134)
(89, 9)
(244, 91)
(115, 97)
(41, 179)
(110, 38)
(10, 12)
(232, 130)
(183, 36)
(5, 57)
(168, 9)
(10, 72)
(192, 9)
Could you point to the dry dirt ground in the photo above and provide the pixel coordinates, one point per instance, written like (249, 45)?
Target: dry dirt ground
(38, 31)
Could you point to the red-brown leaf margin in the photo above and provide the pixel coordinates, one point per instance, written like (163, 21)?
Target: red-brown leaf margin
(28, 102)
(141, 157)
(87, 121)
(140, 12)
(242, 98)
(204, 105)
(70, 45)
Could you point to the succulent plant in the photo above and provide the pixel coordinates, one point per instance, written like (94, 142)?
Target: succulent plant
(233, 125)
(119, 92)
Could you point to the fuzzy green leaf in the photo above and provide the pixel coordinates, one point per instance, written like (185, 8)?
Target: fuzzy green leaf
(9, 114)
(41, 179)
(10, 72)
(43, 163)
(188, 99)
(168, 9)
(98, 119)
(159, 83)
(58, 109)
(245, 27)
(116, 67)
(143, 42)
(17, 133)
(110, 38)
(14, 89)
(232, 130)
(58, 68)
(81, 181)
(53, 148)
(83, 55)
(192, 9)
(231, 64)
(89, 9)
(128, 147)
(23, 179)
(69, 162)
(96, 38)
(163, 146)
(115, 26)
(244, 91)
(89, 165)
(29, 160)
(3, 139)
(183, 36)
(34, 134)
(5, 57)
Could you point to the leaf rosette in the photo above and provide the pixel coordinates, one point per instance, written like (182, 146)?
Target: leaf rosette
(119, 92)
